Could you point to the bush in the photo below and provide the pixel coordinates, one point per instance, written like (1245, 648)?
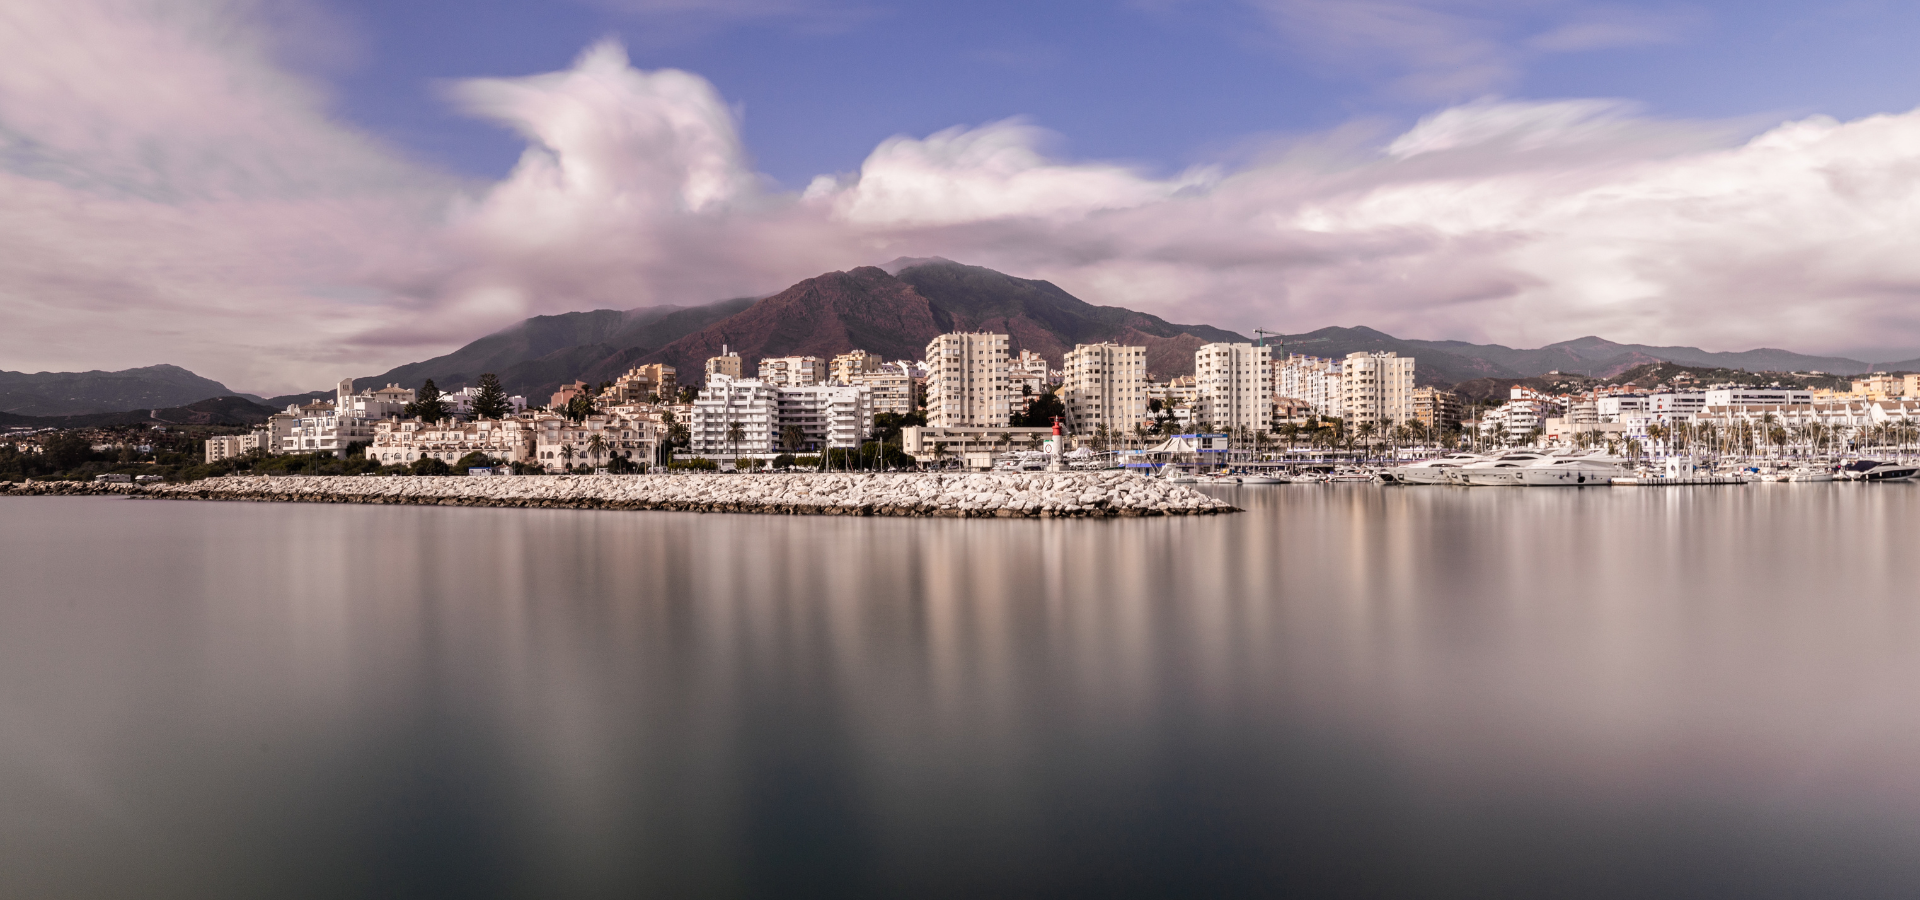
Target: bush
(748, 465)
(783, 461)
(427, 465)
(696, 464)
(473, 460)
(807, 462)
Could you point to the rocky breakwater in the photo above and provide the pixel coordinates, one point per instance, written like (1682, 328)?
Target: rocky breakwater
(66, 488)
(1062, 495)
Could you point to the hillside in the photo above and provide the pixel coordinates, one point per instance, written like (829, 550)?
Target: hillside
(80, 393)
(896, 314)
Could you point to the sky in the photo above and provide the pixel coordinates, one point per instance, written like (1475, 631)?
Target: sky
(276, 195)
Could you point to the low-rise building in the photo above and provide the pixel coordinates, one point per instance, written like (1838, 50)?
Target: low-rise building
(234, 446)
(727, 363)
(644, 384)
(975, 445)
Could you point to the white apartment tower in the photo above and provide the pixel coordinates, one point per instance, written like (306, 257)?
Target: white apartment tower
(1310, 380)
(1234, 383)
(1377, 389)
(1105, 384)
(967, 382)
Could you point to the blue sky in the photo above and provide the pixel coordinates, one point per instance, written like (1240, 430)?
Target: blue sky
(1165, 84)
(279, 193)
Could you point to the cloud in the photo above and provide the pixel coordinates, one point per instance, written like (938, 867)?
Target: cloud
(217, 217)
(1450, 49)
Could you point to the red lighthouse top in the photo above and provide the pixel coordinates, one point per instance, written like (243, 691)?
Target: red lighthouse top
(1056, 426)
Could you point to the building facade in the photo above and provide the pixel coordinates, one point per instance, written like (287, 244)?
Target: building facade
(656, 382)
(727, 363)
(1376, 389)
(792, 371)
(1436, 409)
(1104, 385)
(850, 367)
(1234, 383)
(775, 419)
(335, 425)
(967, 381)
(1311, 380)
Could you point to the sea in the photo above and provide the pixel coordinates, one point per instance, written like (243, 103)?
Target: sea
(1343, 691)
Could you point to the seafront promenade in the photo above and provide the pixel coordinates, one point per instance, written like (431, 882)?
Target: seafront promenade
(1010, 495)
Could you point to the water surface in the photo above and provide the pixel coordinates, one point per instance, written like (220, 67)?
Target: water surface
(1352, 690)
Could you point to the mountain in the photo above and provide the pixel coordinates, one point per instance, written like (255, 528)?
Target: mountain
(1436, 367)
(228, 410)
(80, 393)
(1606, 359)
(895, 314)
(538, 355)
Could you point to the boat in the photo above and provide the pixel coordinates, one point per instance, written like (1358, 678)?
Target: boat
(1502, 470)
(1217, 478)
(1804, 474)
(1263, 478)
(1429, 471)
(1876, 470)
(1574, 471)
(1352, 476)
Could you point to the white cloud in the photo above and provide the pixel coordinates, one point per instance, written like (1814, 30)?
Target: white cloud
(217, 218)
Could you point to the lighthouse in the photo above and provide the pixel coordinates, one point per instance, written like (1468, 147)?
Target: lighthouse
(1055, 448)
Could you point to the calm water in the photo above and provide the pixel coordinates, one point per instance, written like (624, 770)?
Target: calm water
(1345, 691)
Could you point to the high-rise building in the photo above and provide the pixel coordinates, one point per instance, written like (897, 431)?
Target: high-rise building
(1310, 380)
(1438, 409)
(1234, 383)
(773, 418)
(848, 367)
(792, 371)
(1105, 384)
(727, 363)
(892, 388)
(1376, 389)
(967, 381)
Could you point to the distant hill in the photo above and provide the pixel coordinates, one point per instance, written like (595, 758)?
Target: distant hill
(538, 355)
(1605, 359)
(214, 411)
(80, 393)
(1435, 367)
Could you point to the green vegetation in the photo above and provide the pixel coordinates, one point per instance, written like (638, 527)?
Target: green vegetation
(1041, 412)
(490, 402)
(427, 404)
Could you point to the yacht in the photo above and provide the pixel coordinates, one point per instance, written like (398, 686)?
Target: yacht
(1263, 478)
(1803, 474)
(1429, 471)
(1499, 470)
(1876, 470)
(1573, 471)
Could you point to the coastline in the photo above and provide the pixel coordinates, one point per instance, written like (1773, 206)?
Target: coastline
(1104, 494)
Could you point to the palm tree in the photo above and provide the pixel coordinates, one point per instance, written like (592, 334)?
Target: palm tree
(734, 433)
(566, 453)
(596, 446)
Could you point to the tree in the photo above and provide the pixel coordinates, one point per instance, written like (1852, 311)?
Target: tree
(596, 447)
(792, 438)
(491, 400)
(427, 404)
(428, 465)
(1041, 412)
(67, 449)
(734, 433)
(474, 460)
(579, 407)
(566, 454)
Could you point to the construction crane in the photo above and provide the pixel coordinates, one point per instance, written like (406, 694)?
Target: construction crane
(1262, 336)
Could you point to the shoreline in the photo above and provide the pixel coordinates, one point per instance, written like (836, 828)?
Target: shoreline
(1079, 495)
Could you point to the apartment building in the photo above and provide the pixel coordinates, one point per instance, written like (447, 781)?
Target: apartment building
(820, 416)
(849, 367)
(727, 363)
(641, 383)
(792, 371)
(1376, 389)
(1234, 383)
(967, 381)
(1028, 370)
(331, 426)
(1310, 380)
(1104, 385)
(460, 403)
(233, 446)
(892, 389)
(1437, 409)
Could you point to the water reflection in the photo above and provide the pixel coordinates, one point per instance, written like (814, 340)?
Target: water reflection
(1346, 689)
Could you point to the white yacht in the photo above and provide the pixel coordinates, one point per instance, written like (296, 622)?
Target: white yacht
(1574, 471)
(1803, 474)
(1429, 471)
(1876, 470)
(1496, 471)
